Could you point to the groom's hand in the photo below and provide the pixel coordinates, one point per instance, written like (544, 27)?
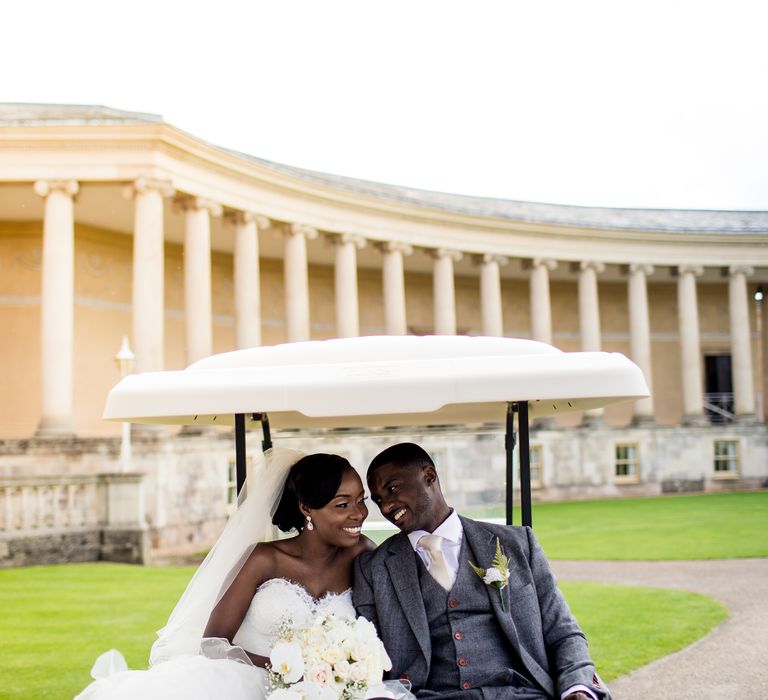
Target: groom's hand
(578, 695)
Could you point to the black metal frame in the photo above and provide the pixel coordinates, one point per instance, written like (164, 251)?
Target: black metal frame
(240, 453)
(519, 407)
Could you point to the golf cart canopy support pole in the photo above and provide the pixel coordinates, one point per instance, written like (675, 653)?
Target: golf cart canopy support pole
(521, 408)
(509, 444)
(266, 443)
(525, 463)
(240, 450)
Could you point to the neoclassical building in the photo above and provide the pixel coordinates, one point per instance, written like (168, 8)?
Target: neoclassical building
(118, 224)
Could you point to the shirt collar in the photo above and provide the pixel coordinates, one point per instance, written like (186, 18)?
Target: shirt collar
(450, 529)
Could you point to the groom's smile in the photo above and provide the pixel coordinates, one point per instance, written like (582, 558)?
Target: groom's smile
(398, 514)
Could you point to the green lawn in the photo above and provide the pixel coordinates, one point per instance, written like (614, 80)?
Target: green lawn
(56, 620)
(629, 626)
(705, 526)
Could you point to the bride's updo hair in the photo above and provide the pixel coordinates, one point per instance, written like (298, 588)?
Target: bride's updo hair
(313, 481)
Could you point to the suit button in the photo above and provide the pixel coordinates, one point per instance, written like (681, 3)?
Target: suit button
(463, 662)
(453, 603)
(466, 685)
(457, 635)
(404, 677)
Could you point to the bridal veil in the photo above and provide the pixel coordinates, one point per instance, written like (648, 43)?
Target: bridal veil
(249, 525)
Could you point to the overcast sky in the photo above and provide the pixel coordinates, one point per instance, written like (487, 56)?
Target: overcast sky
(611, 103)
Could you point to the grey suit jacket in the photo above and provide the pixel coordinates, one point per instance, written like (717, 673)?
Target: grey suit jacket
(536, 619)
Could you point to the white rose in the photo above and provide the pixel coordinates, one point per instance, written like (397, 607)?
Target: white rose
(341, 669)
(492, 576)
(286, 660)
(358, 672)
(339, 631)
(332, 655)
(321, 674)
(315, 637)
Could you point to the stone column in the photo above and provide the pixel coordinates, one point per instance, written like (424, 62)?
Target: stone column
(640, 335)
(198, 314)
(490, 293)
(296, 279)
(444, 292)
(246, 273)
(589, 307)
(57, 307)
(741, 342)
(690, 352)
(589, 321)
(393, 278)
(148, 271)
(541, 307)
(347, 313)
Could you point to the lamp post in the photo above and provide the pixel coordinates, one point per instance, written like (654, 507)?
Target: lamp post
(759, 351)
(125, 361)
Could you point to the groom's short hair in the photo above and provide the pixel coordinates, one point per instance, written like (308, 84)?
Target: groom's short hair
(404, 454)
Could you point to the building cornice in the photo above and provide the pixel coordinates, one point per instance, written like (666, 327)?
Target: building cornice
(121, 152)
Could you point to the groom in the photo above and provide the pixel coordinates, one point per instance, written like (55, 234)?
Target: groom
(445, 629)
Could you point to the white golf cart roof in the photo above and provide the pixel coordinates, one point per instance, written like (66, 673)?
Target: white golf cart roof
(378, 381)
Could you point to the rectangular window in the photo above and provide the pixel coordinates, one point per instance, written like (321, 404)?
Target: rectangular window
(726, 458)
(627, 463)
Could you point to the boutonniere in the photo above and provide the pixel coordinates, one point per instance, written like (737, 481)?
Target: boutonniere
(498, 573)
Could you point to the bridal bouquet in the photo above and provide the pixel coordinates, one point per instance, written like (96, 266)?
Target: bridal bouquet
(336, 657)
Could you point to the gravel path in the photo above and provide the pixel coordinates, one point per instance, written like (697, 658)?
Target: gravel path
(729, 662)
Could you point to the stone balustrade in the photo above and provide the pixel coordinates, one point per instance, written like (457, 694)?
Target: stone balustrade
(51, 519)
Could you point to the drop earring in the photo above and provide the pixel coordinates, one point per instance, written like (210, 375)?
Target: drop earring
(310, 526)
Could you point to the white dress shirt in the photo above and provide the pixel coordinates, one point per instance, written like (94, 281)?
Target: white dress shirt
(453, 533)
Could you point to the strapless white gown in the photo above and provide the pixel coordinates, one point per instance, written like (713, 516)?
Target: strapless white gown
(193, 677)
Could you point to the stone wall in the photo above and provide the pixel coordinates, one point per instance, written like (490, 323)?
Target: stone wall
(93, 544)
(179, 493)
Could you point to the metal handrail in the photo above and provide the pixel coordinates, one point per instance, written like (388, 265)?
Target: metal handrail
(717, 403)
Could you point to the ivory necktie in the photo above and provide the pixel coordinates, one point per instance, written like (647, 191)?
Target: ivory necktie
(437, 566)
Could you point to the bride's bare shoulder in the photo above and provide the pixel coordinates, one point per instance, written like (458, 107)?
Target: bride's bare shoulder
(266, 557)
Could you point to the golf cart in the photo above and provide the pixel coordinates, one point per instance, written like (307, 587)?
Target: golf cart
(379, 381)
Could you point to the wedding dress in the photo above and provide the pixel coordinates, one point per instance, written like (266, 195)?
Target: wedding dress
(222, 671)
(197, 677)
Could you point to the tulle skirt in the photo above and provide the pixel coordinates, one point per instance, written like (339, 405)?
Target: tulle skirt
(182, 678)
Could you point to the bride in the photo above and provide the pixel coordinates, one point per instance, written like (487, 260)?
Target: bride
(218, 639)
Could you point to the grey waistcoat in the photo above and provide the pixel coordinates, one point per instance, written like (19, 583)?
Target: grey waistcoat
(468, 648)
